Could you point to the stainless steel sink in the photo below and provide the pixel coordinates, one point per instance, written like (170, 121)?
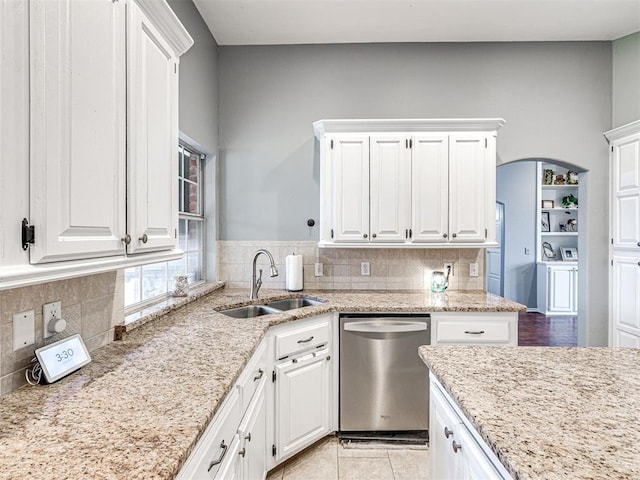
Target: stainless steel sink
(250, 311)
(292, 303)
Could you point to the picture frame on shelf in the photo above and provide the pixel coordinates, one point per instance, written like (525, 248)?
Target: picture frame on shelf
(547, 251)
(569, 254)
(548, 204)
(562, 227)
(545, 225)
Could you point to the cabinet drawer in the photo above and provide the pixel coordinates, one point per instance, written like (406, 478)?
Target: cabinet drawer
(473, 330)
(301, 338)
(250, 378)
(210, 447)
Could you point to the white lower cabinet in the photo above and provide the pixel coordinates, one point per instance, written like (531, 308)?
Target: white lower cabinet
(557, 289)
(456, 451)
(253, 438)
(625, 300)
(474, 328)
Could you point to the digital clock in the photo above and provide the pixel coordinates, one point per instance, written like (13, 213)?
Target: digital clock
(62, 358)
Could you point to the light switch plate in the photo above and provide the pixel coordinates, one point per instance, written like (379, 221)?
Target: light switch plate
(318, 272)
(24, 329)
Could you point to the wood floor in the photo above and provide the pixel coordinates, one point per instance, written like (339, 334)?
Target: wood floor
(535, 329)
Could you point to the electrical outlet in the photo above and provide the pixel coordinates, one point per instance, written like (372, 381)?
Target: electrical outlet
(473, 269)
(446, 265)
(24, 329)
(49, 312)
(365, 268)
(319, 270)
(527, 251)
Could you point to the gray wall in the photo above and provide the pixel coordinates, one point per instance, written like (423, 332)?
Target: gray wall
(516, 188)
(626, 79)
(198, 120)
(556, 98)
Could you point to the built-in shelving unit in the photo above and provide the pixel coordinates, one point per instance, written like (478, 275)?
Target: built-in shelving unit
(557, 233)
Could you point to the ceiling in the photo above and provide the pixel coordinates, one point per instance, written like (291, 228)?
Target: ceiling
(277, 22)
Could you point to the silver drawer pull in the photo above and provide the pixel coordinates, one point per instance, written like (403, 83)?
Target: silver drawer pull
(447, 432)
(456, 446)
(471, 332)
(222, 454)
(306, 341)
(260, 374)
(242, 452)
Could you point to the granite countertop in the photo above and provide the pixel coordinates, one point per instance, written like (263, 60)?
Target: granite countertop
(139, 407)
(549, 412)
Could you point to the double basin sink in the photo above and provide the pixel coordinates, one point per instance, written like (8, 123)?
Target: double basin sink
(277, 306)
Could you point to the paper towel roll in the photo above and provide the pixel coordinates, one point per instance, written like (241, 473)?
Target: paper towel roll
(294, 275)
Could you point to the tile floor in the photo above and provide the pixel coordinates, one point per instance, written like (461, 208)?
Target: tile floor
(329, 460)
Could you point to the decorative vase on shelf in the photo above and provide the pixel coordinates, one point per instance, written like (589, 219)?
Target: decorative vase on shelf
(572, 178)
(548, 176)
(559, 180)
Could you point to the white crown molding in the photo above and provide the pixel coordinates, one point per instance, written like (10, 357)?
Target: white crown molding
(168, 24)
(623, 131)
(323, 127)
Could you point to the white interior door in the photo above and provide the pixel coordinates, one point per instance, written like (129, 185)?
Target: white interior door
(495, 256)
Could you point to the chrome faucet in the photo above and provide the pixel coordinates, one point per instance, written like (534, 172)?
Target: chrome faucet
(256, 283)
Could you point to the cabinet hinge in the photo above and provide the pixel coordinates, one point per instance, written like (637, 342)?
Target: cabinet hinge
(175, 68)
(611, 240)
(485, 233)
(273, 450)
(485, 143)
(273, 376)
(411, 143)
(612, 262)
(28, 234)
(612, 148)
(331, 144)
(175, 233)
(332, 233)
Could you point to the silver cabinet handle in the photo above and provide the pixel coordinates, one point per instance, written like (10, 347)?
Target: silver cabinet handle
(639, 264)
(260, 374)
(144, 238)
(126, 239)
(222, 454)
(374, 235)
(638, 244)
(456, 446)
(471, 332)
(454, 235)
(306, 341)
(242, 452)
(248, 437)
(365, 235)
(445, 235)
(447, 432)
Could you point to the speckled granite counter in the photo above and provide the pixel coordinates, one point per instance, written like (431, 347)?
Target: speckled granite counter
(549, 413)
(138, 409)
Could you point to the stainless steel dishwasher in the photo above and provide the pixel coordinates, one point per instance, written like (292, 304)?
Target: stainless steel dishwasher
(384, 385)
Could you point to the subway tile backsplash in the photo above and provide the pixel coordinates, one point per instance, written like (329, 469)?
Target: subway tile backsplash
(91, 305)
(391, 269)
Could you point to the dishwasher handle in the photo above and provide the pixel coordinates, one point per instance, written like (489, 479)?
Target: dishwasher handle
(375, 326)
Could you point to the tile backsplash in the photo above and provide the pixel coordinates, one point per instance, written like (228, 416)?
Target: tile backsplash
(391, 269)
(91, 305)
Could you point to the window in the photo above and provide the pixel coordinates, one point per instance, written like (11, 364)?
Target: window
(147, 283)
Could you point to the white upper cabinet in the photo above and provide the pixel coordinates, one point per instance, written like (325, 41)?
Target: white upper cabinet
(153, 132)
(419, 183)
(77, 195)
(350, 187)
(98, 169)
(430, 188)
(390, 188)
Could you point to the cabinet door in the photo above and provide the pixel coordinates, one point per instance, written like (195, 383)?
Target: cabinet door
(429, 186)
(152, 209)
(350, 188)
(467, 184)
(625, 191)
(442, 422)
(561, 289)
(302, 402)
(77, 186)
(472, 462)
(253, 434)
(390, 177)
(625, 301)
(231, 466)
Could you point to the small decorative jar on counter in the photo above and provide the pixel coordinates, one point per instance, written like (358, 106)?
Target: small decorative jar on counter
(182, 286)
